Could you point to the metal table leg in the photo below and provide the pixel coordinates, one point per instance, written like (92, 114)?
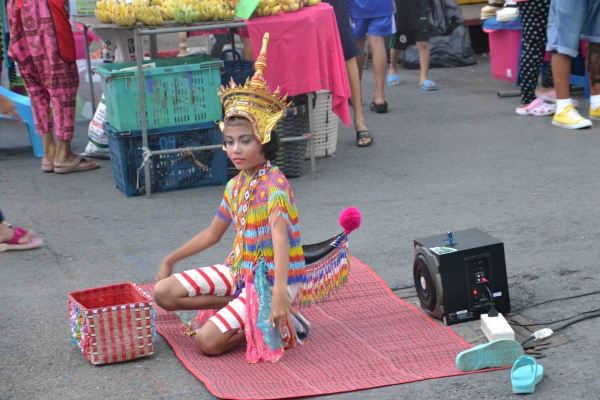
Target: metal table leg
(313, 162)
(153, 47)
(89, 67)
(139, 57)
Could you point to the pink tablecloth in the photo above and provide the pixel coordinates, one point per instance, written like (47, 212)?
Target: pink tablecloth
(304, 54)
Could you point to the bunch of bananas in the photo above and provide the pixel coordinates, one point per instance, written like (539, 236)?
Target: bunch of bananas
(167, 9)
(155, 12)
(104, 11)
(222, 9)
(149, 15)
(123, 14)
(291, 5)
(268, 7)
(312, 2)
(184, 12)
(217, 9)
(233, 3)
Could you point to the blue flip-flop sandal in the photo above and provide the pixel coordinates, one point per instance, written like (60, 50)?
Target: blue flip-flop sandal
(525, 374)
(429, 85)
(495, 354)
(393, 78)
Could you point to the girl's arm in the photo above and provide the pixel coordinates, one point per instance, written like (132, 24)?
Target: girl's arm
(281, 307)
(202, 241)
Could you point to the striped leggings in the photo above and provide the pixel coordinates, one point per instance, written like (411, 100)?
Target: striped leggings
(217, 280)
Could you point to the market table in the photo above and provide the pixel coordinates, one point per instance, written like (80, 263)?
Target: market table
(309, 63)
(305, 54)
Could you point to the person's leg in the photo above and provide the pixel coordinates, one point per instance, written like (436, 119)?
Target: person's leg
(61, 79)
(565, 23)
(360, 58)
(356, 99)
(377, 44)
(212, 342)
(248, 51)
(42, 114)
(593, 70)
(565, 26)
(394, 58)
(424, 56)
(591, 34)
(593, 67)
(534, 17)
(351, 51)
(225, 330)
(21, 51)
(197, 289)
(359, 28)
(561, 75)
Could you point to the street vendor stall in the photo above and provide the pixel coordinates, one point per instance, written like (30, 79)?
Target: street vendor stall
(298, 64)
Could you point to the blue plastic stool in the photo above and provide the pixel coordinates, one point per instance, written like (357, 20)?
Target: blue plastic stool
(583, 81)
(23, 105)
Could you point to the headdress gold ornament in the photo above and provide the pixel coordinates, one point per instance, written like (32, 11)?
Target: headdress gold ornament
(254, 101)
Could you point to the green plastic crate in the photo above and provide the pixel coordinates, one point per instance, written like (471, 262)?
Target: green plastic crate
(179, 91)
(82, 7)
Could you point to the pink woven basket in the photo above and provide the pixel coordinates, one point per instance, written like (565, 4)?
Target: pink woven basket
(112, 323)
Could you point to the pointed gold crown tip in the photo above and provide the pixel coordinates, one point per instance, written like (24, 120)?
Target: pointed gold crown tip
(253, 99)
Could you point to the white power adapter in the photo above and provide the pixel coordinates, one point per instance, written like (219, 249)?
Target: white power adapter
(542, 334)
(496, 328)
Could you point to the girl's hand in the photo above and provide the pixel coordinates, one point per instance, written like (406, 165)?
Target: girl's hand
(165, 271)
(281, 310)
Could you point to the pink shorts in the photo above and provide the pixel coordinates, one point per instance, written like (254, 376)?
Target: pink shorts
(217, 280)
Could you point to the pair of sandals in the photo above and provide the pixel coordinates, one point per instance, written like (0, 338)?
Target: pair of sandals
(427, 85)
(525, 373)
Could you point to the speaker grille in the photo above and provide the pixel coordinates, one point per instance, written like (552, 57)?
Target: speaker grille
(424, 283)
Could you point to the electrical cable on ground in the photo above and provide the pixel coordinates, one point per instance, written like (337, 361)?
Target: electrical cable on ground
(558, 320)
(550, 301)
(583, 318)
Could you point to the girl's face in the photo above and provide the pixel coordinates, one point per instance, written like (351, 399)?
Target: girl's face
(243, 149)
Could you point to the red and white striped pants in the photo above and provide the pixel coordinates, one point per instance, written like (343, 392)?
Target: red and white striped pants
(217, 280)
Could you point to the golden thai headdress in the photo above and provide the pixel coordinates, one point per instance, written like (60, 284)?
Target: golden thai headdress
(254, 101)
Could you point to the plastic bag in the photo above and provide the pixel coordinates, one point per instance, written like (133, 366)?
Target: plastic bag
(450, 43)
(98, 141)
(84, 97)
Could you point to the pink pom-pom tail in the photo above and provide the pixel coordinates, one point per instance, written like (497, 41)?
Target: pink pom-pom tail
(350, 219)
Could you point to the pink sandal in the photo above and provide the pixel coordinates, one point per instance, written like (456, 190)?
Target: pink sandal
(537, 108)
(15, 245)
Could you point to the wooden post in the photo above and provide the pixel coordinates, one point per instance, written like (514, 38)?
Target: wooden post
(183, 45)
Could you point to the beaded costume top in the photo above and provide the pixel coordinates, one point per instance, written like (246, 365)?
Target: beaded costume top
(271, 190)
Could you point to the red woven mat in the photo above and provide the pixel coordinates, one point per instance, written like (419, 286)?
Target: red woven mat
(362, 337)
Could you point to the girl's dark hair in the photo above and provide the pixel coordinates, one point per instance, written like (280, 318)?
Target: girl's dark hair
(269, 149)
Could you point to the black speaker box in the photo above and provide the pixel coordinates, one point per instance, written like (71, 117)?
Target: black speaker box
(450, 271)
